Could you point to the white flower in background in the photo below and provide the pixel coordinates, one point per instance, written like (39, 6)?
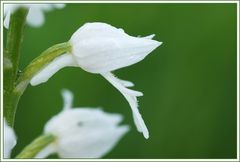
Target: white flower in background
(35, 17)
(9, 140)
(82, 132)
(101, 48)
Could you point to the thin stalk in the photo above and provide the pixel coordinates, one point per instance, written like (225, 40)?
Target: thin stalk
(38, 63)
(11, 58)
(34, 67)
(36, 146)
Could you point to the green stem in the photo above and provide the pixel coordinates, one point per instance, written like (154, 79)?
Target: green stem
(36, 146)
(11, 58)
(38, 63)
(34, 67)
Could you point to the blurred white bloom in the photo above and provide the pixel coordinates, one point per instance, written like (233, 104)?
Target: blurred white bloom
(9, 140)
(35, 17)
(82, 132)
(101, 48)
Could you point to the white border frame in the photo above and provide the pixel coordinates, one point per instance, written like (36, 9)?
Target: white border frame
(1, 78)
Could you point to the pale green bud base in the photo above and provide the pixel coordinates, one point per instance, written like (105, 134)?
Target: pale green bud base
(36, 146)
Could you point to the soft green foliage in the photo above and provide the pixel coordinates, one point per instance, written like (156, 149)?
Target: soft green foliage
(189, 82)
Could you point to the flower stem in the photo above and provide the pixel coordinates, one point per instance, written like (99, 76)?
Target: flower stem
(11, 58)
(38, 63)
(34, 67)
(35, 147)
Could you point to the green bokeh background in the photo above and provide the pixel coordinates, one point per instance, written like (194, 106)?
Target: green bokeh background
(189, 82)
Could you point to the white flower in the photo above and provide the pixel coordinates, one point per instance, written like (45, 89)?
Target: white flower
(101, 48)
(9, 140)
(82, 132)
(35, 17)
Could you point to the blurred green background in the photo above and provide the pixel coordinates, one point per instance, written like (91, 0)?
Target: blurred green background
(189, 82)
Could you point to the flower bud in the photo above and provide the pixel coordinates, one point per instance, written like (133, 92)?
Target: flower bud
(100, 48)
(83, 132)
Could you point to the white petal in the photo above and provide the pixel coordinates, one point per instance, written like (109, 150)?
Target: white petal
(53, 67)
(126, 83)
(85, 132)
(82, 117)
(96, 29)
(9, 140)
(7, 20)
(8, 10)
(67, 99)
(12, 7)
(35, 17)
(59, 6)
(43, 7)
(94, 144)
(116, 50)
(48, 150)
(132, 100)
(48, 7)
(149, 36)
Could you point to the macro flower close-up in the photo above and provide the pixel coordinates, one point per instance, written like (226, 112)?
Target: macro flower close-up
(116, 50)
(149, 80)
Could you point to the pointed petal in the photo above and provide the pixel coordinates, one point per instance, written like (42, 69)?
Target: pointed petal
(35, 17)
(112, 53)
(7, 20)
(96, 29)
(126, 83)
(94, 144)
(116, 50)
(150, 36)
(87, 132)
(132, 100)
(67, 99)
(136, 123)
(6, 8)
(59, 5)
(53, 67)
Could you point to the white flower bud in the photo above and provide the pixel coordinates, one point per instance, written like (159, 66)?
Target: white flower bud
(83, 132)
(9, 140)
(102, 48)
(35, 17)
